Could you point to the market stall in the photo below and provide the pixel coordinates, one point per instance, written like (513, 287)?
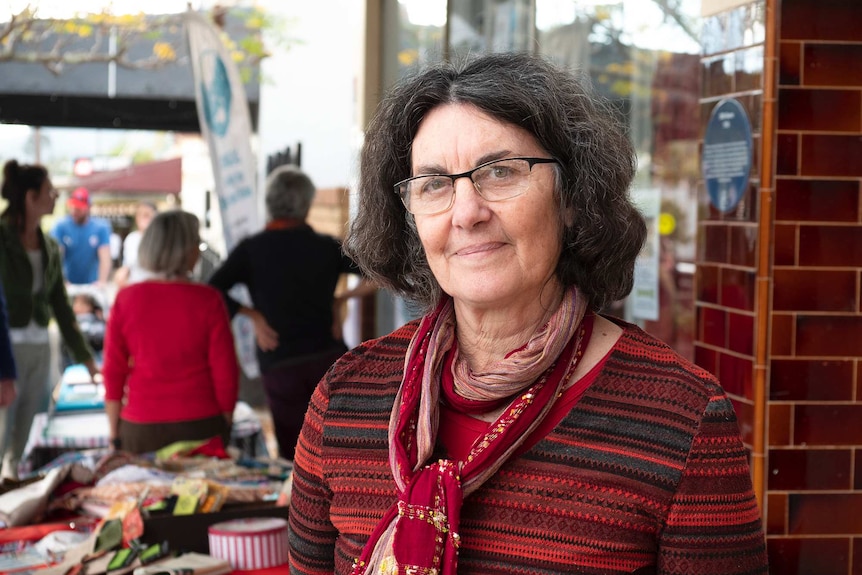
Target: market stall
(167, 502)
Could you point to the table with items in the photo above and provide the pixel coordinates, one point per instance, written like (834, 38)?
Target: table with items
(76, 420)
(124, 510)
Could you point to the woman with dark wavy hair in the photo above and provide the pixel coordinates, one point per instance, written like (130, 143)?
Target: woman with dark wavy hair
(513, 428)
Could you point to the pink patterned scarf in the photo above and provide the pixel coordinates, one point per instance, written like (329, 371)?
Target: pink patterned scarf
(419, 534)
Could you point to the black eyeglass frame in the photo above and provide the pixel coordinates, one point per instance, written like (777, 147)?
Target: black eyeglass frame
(401, 187)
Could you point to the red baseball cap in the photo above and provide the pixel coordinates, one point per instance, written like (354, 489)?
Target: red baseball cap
(80, 199)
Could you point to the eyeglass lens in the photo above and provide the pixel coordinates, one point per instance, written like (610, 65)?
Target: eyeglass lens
(494, 181)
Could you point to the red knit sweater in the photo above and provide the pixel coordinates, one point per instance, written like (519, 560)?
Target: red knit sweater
(646, 474)
(169, 352)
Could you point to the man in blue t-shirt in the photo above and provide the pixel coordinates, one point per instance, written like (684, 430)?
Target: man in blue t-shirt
(84, 241)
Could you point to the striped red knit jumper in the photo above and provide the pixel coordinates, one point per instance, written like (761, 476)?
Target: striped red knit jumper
(646, 474)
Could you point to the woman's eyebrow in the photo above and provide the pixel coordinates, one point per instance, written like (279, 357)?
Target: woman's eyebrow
(432, 169)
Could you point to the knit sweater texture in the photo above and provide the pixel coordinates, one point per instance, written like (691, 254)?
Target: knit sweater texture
(169, 353)
(646, 474)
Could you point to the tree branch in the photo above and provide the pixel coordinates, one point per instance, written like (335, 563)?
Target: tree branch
(56, 44)
(8, 28)
(19, 48)
(673, 12)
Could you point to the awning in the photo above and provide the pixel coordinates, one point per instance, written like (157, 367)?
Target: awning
(160, 177)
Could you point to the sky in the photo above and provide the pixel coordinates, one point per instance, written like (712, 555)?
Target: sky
(60, 146)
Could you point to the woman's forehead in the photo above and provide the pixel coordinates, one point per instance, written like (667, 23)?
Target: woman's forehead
(464, 131)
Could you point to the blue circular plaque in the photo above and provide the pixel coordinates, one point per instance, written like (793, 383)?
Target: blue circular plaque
(726, 157)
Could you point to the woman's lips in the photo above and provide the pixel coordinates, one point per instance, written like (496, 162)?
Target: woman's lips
(478, 249)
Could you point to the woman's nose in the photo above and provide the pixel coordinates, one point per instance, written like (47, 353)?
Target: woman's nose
(468, 208)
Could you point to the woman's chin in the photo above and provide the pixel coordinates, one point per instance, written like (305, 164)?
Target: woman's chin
(488, 297)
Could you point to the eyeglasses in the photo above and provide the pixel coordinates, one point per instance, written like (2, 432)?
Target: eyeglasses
(496, 180)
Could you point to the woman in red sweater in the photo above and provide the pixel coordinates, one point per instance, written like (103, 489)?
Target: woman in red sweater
(170, 368)
(513, 429)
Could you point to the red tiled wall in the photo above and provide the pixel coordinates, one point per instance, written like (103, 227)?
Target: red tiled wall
(813, 472)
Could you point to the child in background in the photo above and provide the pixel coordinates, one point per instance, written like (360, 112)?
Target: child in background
(91, 322)
(91, 319)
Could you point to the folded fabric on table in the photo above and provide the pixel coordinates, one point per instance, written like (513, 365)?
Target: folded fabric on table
(27, 504)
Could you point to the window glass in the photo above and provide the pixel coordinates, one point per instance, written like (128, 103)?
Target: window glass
(421, 28)
(644, 55)
(490, 26)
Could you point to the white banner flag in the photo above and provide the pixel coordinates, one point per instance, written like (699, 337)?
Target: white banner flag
(225, 124)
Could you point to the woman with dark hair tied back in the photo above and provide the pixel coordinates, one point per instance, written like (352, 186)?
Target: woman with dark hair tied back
(31, 270)
(171, 372)
(513, 428)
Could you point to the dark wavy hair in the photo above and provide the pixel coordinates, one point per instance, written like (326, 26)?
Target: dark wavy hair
(17, 180)
(603, 233)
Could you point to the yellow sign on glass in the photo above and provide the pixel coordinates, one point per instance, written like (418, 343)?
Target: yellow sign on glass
(666, 224)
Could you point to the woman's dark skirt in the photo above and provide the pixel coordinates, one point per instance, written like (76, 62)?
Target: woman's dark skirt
(289, 386)
(146, 437)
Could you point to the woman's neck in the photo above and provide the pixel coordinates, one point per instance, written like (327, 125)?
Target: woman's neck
(30, 233)
(284, 223)
(163, 277)
(487, 336)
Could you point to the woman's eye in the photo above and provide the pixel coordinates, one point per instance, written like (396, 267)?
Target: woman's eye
(433, 185)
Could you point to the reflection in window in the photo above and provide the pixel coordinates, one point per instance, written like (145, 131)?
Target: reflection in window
(490, 26)
(420, 32)
(644, 56)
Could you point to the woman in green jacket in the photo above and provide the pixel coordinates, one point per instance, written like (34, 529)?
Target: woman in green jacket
(32, 275)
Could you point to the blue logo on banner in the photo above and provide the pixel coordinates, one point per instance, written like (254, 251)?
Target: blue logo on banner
(215, 87)
(727, 154)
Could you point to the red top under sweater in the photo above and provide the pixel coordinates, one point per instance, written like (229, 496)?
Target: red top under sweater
(171, 346)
